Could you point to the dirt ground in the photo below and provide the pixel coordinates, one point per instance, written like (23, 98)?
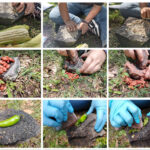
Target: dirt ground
(115, 22)
(58, 139)
(32, 107)
(118, 138)
(57, 84)
(28, 81)
(117, 87)
(49, 31)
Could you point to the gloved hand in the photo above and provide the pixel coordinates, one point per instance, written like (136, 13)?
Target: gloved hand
(124, 113)
(56, 109)
(148, 114)
(101, 111)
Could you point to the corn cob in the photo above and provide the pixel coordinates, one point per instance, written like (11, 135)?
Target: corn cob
(14, 35)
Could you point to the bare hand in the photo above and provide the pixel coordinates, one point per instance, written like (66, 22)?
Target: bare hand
(71, 26)
(145, 12)
(147, 74)
(83, 27)
(62, 52)
(93, 62)
(20, 7)
(131, 54)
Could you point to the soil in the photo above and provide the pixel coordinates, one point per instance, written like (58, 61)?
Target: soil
(26, 128)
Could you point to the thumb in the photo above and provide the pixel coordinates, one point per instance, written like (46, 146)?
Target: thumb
(90, 110)
(70, 108)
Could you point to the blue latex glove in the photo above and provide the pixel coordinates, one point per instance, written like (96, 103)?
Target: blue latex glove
(101, 111)
(124, 113)
(148, 114)
(57, 109)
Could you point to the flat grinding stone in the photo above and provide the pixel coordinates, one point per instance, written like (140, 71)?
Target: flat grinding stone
(73, 67)
(65, 38)
(8, 14)
(26, 128)
(12, 73)
(84, 135)
(140, 138)
(134, 33)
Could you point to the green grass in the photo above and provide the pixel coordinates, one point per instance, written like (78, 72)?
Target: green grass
(31, 107)
(117, 87)
(57, 84)
(28, 81)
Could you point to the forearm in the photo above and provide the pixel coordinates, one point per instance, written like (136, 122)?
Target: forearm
(143, 5)
(64, 11)
(94, 11)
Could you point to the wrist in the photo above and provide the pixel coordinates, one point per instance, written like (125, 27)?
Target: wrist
(84, 21)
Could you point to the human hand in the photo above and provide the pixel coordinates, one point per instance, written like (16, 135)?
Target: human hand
(101, 111)
(132, 54)
(145, 12)
(71, 26)
(83, 27)
(147, 74)
(20, 7)
(93, 62)
(64, 106)
(57, 110)
(63, 53)
(124, 113)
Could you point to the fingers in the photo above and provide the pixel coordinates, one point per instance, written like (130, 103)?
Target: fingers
(119, 121)
(140, 55)
(55, 113)
(136, 112)
(86, 64)
(30, 8)
(100, 120)
(90, 110)
(127, 118)
(20, 8)
(49, 122)
(70, 108)
(130, 54)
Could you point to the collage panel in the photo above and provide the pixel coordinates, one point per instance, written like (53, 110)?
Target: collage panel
(129, 123)
(74, 73)
(129, 25)
(20, 73)
(20, 123)
(75, 25)
(20, 24)
(75, 123)
(129, 74)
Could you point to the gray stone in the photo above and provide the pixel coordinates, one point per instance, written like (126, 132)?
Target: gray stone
(84, 135)
(13, 71)
(134, 33)
(140, 138)
(26, 128)
(65, 38)
(8, 15)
